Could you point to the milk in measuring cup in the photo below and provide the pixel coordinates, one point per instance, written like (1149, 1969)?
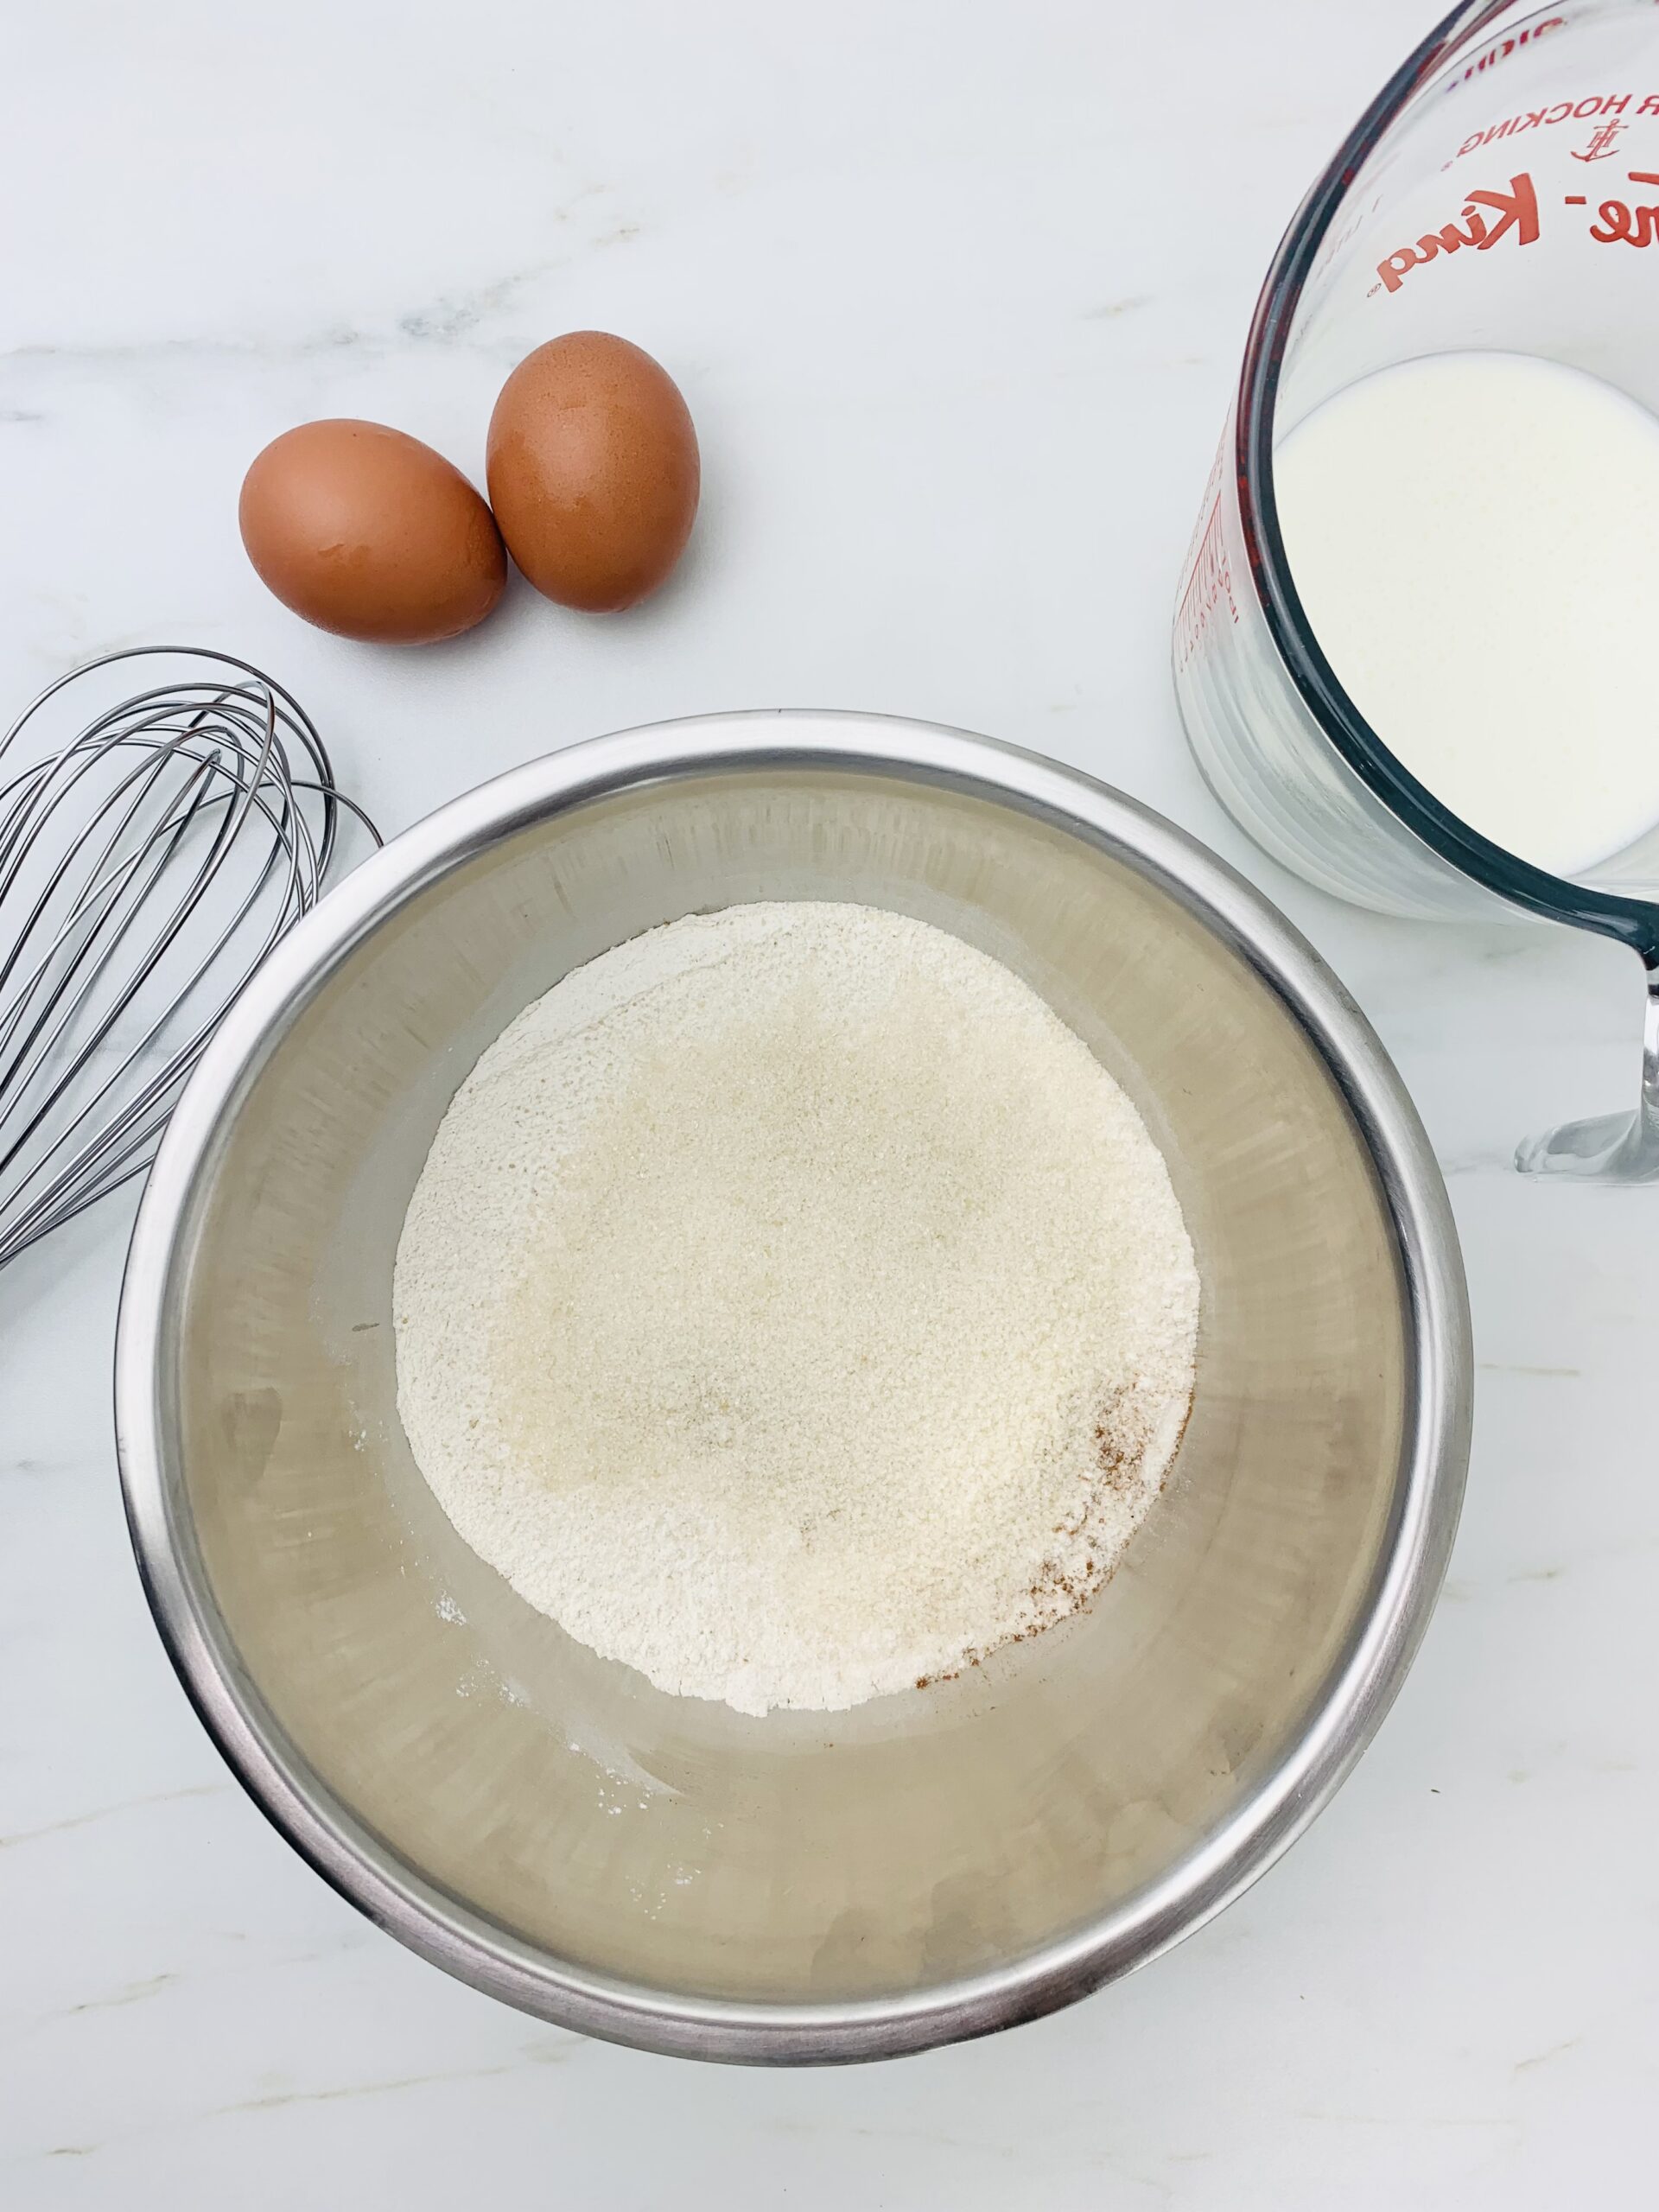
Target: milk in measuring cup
(1474, 537)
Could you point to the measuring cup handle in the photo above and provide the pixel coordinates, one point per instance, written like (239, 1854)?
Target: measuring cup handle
(1611, 1148)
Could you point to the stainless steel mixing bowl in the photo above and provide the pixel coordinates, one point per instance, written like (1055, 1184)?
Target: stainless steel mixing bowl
(665, 1871)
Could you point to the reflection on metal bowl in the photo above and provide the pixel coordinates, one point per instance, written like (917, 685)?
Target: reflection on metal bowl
(936, 1863)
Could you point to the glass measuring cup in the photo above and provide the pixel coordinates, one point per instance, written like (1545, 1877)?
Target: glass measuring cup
(1492, 197)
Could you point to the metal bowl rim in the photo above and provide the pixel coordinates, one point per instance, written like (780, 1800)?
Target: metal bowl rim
(1358, 1691)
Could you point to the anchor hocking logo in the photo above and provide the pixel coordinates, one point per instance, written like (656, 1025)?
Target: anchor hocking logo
(1602, 142)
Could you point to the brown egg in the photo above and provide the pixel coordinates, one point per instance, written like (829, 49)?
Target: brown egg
(371, 534)
(592, 470)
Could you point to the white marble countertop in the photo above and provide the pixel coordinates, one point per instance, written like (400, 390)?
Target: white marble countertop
(955, 293)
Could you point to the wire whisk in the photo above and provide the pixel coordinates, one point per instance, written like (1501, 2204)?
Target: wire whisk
(148, 861)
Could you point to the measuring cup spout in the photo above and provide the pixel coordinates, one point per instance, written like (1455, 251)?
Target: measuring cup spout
(1609, 1148)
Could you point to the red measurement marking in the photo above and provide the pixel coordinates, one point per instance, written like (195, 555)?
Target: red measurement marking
(1506, 47)
(1210, 581)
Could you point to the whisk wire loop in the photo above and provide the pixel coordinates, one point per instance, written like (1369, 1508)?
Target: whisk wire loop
(150, 861)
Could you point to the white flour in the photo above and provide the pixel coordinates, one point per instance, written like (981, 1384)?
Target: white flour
(792, 1307)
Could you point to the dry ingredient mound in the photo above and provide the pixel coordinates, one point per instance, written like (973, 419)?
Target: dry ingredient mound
(792, 1307)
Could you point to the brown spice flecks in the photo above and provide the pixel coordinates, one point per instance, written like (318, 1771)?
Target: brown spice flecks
(1122, 1436)
(1119, 1450)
